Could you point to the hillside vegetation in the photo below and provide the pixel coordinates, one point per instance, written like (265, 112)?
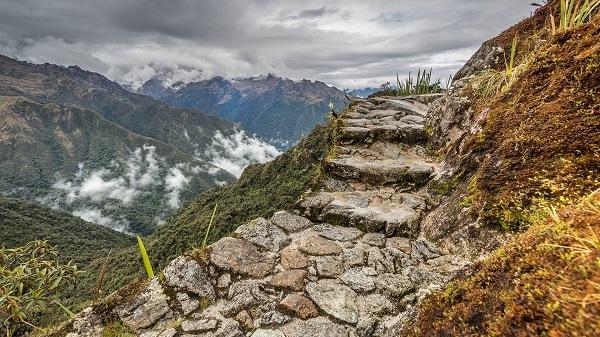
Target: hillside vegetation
(76, 240)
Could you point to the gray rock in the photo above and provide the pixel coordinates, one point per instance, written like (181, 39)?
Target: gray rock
(187, 303)
(267, 333)
(366, 326)
(316, 245)
(335, 299)
(314, 327)
(374, 239)
(376, 305)
(185, 273)
(245, 295)
(200, 325)
(356, 279)
(449, 265)
(394, 285)
(290, 222)
(379, 262)
(145, 309)
(354, 257)
(329, 266)
(263, 233)
(337, 233)
(160, 332)
(274, 317)
(423, 250)
(224, 281)
(242, 257)
(86, 324)
(402, 244)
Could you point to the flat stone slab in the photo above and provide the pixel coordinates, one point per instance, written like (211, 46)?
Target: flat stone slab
(356, 209)
(263, 233)
(318, 246)
(314, 327)
(403, 171)
(240, 256)
(337, 233)
(185, 273)
(335, 299)
(290, 222)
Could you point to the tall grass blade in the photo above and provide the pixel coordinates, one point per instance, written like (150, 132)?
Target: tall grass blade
(145, 257)
(212, 217)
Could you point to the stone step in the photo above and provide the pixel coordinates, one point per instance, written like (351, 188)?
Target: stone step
(403, 172)
(397, 131)
(398, 120)
(396, 215)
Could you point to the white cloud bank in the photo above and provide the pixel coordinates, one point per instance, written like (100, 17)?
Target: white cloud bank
(235, 152)
(89, 191)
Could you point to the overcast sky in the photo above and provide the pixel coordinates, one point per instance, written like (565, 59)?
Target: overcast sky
(344, 43)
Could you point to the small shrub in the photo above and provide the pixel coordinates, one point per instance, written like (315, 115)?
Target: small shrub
(420, 86)
(30, 278)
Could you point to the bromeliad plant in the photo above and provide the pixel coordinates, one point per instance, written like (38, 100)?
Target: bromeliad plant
(574, 13)
(419, 86)
(30, 278)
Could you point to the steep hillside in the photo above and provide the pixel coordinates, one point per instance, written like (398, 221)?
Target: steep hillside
(277, 110)
(77, 160)
(532, 152)
(73, 139)
(76, 240)
(48, 83)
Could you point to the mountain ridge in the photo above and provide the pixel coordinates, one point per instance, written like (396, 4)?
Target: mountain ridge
(278, 110)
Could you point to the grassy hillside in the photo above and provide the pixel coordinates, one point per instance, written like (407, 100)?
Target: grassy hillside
(77, 240)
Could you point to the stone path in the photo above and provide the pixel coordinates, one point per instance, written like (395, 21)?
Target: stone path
(378, 171)
(353, 267)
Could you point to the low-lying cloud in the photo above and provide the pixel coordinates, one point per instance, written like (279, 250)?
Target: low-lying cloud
(233, 153)
(90, 192)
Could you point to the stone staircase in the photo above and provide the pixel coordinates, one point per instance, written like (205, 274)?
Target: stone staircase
(378, 171)
(352, 266)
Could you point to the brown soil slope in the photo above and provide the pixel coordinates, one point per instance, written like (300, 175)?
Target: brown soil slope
(541, 150)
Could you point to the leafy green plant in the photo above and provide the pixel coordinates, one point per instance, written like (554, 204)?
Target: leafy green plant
(30, 278)
(574, 13)
(490, 82)
(145, 257)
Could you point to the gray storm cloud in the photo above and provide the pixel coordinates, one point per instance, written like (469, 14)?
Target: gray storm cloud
(344, 43)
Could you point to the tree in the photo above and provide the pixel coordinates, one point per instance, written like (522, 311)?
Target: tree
(30, 278)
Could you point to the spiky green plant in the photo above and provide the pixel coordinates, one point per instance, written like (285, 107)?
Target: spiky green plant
(490, 82)
(145, 257)
(574, 13)
(420, 85)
